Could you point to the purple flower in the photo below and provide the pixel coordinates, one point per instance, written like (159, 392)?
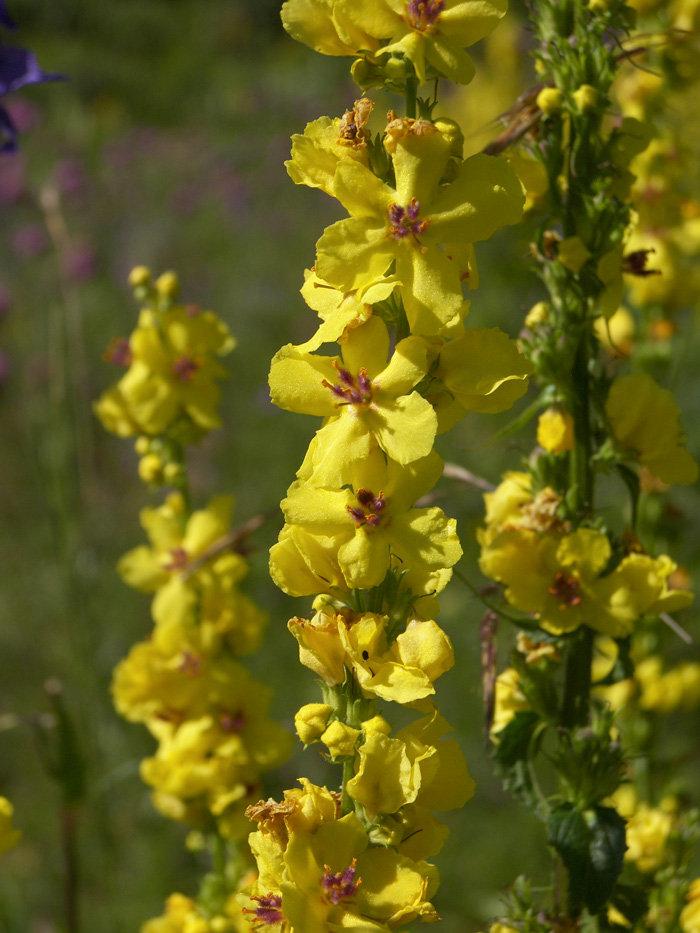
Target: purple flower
(18, 67)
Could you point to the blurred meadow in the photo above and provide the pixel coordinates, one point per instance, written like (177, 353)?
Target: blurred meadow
(165, 147)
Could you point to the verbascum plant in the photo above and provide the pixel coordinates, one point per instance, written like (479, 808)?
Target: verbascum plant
(579, 582)
(185, 682)
(387, 285)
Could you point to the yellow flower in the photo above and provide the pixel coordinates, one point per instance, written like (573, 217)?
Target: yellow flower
(320, 25)
(481, 370)
(648, 829)
(418, 766)
(326, 142)
(372, 529)
(573, 253)
(213, 763)
(429, 33)
(408, 225)
(533, 178)
(9, 836)
(172, 374)
(559, 579)
(555, 430)
(320, 873)
(509, 700)
(173, 567)
(666, 692)
(403, 672)
(365, 400)
(616, 334)
(341, 311)
(690, 915)
(645, 419)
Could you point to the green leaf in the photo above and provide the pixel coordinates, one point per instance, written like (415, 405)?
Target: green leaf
(631, 900)
(514, 740)
(591, 844)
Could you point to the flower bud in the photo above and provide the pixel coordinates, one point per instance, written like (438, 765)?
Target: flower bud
(168, 285)
(549, 100)
(311, 720)
(586, 97)
(374, 725)
(139, 277)
(452, 132)
(555, 431)
(340, 739)
(142, 445)
(151, 468)
(537, 314)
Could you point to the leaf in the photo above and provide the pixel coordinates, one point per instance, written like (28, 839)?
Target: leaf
(514, 740)
(631, 900)
(511, 756)
(591, 844)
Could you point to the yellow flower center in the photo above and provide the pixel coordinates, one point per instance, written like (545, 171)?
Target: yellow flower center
(118, 352)
(350, 390)
(190, 665)
(369, 509)
(268, 912)
(185, 367)
(404, 221)
(341, 885)
(178, 560)
(566, 590)
(231, 721)
(423, 14)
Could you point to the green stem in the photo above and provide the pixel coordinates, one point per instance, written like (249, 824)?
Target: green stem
(580, 463)
(347, 803)
(219, 855)
(577, 679)
(411, 96)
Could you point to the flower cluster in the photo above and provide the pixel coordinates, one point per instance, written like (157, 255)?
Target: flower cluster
(388, 286)
(185, 682)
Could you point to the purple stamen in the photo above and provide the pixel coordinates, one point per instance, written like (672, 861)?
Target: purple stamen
(179, 558)
(231, 722)
(422, 14)
(345, 376)
(370, 510)
(396, 213)
(352, 392)
(341, 885)
(118, 352)
(269, 912)
(185, 367)
(404, 220)
(190, 665)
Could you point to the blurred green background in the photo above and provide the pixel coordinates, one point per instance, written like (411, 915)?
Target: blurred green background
(165, 147)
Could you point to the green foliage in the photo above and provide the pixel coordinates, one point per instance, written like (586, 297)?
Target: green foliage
(591, 844)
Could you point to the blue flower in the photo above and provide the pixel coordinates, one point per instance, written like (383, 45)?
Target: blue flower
(17, 68)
